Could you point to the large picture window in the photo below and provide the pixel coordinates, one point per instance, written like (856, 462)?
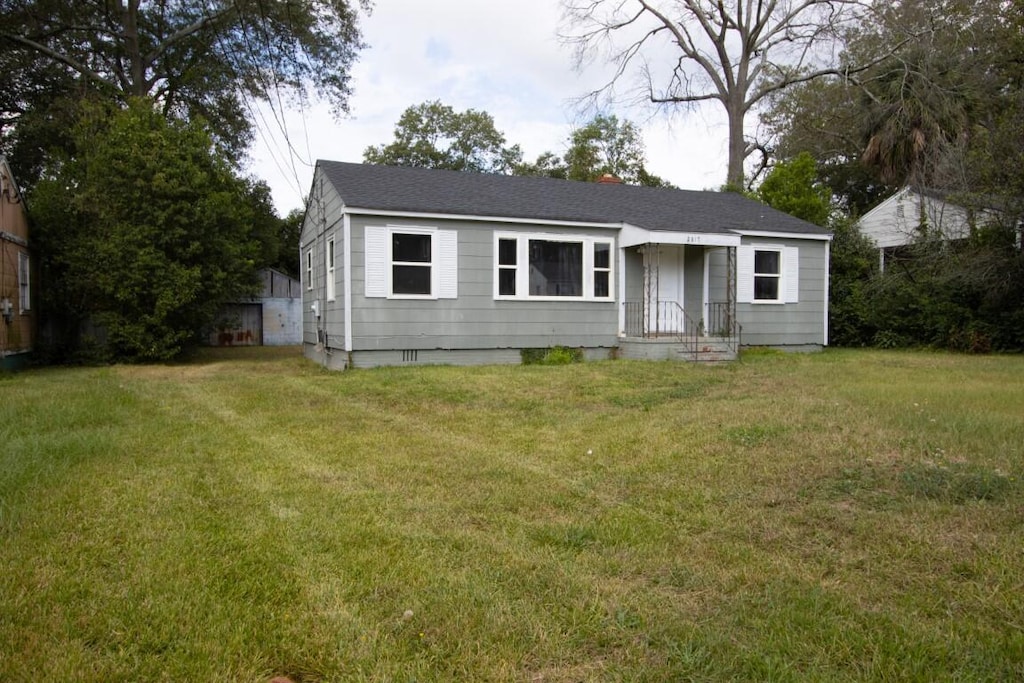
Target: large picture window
(556, 268)
(541, 266)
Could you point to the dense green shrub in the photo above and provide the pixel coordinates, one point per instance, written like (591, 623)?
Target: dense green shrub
(962, 296)
(853, 263)
(555, 355)
(143, 234)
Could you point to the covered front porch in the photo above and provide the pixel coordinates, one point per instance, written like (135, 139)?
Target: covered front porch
(678, 296)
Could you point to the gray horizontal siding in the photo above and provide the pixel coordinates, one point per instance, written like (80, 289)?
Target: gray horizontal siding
(790, 324)
(474, 320)
(476, 356)
(322, 222)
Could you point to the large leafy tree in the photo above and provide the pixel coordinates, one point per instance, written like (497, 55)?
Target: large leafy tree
(735, 53)
(823, 118)
(607, 145)
(205, 58)
(945, 113)
(145, 232)
(793, 187)
(434, 135)
(913, 117)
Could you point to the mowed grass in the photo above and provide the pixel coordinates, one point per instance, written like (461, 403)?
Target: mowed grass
(841, 516)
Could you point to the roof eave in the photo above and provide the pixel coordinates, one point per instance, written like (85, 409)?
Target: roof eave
(434, 215)
(784, 234)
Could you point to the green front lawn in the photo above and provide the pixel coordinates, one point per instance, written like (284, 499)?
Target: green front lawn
(831, 517)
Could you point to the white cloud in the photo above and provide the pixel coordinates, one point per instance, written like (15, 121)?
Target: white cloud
(503, 58)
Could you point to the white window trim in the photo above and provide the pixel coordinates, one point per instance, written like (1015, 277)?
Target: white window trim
(780, 290)
(379, 266)
(498, 267)
(789, 275)
(329, 265)
(309, 269)
(523, 265)
(432, 264)
(596, 269)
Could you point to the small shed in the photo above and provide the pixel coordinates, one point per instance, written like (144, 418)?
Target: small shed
(274, 318)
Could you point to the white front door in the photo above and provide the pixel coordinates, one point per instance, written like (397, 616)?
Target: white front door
(670, 289)
(670, 280)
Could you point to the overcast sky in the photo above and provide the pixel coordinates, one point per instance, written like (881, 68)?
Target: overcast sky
(500, 57)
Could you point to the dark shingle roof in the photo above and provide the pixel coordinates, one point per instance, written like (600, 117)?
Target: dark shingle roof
(419, 190)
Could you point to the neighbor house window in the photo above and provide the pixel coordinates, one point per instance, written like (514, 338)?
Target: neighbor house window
(330, 269)
(767, 274)
(536, 266)
(24, 293)
(411, 263)
(309, 269)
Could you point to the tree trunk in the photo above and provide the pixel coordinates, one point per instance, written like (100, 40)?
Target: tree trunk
(136, 69)
(734, 179)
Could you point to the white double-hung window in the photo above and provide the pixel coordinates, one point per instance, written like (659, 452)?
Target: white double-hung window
(768, 274)
(411, 263)
(329, 263)
(543, 266)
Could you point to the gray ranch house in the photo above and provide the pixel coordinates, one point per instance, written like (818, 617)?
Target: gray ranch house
(414, 266)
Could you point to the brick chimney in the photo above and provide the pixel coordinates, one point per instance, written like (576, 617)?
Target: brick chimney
(609, 179)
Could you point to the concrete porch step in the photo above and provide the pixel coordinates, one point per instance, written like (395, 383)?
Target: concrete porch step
(708, 349)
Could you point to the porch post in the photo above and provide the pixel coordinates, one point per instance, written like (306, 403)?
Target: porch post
(651, 288)
(622, 289)
(706, 291)
(730, 286)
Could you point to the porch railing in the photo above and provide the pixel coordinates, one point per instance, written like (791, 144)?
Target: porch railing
(667, 319)
(722, 323)
(661, 319)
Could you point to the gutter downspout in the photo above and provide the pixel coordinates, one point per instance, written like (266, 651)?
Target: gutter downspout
(828, 266)
(621, 274)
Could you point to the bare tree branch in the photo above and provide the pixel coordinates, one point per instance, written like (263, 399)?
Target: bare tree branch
(58, 57)
(737, 52)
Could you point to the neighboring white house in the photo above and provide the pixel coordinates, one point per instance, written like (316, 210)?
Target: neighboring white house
(911, 214)
(413, 266)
